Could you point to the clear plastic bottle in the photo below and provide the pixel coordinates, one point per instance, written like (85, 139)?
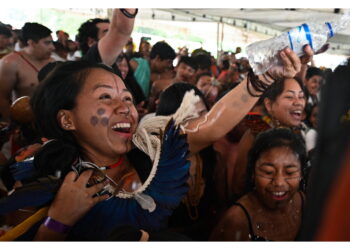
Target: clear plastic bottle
(264, 54)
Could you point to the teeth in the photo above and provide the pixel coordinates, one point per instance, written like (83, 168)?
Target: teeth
(278, 193)
(121, 125)
(296, 112)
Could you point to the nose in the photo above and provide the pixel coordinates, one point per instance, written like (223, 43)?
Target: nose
(121, 108)
(299, 101)
(278, 180)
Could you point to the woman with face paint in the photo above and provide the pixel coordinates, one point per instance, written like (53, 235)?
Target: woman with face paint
(272, 208)
(136, 173)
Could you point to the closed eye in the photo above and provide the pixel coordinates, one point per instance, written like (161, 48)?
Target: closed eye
(128, 99)
(105, 96)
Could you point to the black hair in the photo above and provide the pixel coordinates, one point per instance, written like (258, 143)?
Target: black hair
(332, 147)
(130, 81)
(188, 61)
(308, 111)
(4, 30)
(314, 71)
(276, 89)
(275, 138)
(35, 32)
(86, 30)
(225, 64)
(203, 61)
(47, 69)
(163, 50)
(57, 91)
(171, 98)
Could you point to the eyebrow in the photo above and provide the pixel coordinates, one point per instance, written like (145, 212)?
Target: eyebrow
(266, 164)
(101, 85)
(292, 166)
(293, 91)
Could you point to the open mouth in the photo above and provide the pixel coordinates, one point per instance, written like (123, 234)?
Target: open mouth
(279, 195)
(122, 127)
(296, 114)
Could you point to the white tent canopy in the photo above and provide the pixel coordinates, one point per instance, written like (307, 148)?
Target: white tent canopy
(263, 20)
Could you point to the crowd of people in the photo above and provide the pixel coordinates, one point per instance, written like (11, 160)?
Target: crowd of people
(100, 141)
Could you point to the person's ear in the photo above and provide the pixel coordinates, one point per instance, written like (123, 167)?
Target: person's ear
(268, 105)
(64, 118)
(31, 43)
(91, 42)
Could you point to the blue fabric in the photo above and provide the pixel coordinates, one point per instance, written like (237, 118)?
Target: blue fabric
(23, 170)
(142, 75)
(167, 189)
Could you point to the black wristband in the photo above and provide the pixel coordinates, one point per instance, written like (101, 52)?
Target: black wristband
(127, 14)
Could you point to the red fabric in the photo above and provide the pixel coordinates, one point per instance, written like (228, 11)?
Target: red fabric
(335, 225)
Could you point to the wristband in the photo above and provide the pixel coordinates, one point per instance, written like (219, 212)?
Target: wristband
(127, 14)
(56, 226)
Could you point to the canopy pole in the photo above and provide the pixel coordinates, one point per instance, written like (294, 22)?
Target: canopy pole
(217, 41)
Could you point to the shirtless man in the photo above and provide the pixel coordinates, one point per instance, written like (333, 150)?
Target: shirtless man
(157, 67)
(19, 70)
(185, 70)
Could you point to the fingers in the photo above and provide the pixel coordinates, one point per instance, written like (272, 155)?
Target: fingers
(70, 177)
(291, 62)
(96, 188)
(308, 51)
(98, 199)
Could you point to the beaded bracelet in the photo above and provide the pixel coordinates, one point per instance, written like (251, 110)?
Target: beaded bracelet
(56, 226)
(127, 13)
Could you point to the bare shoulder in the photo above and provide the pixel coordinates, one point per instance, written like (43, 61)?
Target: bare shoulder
(9, 65)
(162, 84)
(10, 59)
(233, 226)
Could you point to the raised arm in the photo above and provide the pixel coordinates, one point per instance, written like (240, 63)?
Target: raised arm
(119, 32)
(232, 108)
(8, 78)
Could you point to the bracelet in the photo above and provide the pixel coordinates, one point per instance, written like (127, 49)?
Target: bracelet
(56, 226)
(258, 85)
(127, 13)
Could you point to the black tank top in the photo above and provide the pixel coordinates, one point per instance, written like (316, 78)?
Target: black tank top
(254, 237)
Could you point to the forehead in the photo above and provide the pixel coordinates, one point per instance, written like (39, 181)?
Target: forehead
(46, 39)
(204, 78)
(291, 84)
(315, 77)
(102, 26)
(98, 76)
(279, 154)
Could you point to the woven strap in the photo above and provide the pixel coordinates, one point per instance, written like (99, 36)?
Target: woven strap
(20, 229)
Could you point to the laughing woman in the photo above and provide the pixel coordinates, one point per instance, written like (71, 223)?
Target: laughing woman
(272, 209)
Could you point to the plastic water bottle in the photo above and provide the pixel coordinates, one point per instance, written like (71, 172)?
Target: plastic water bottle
(264, 54)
